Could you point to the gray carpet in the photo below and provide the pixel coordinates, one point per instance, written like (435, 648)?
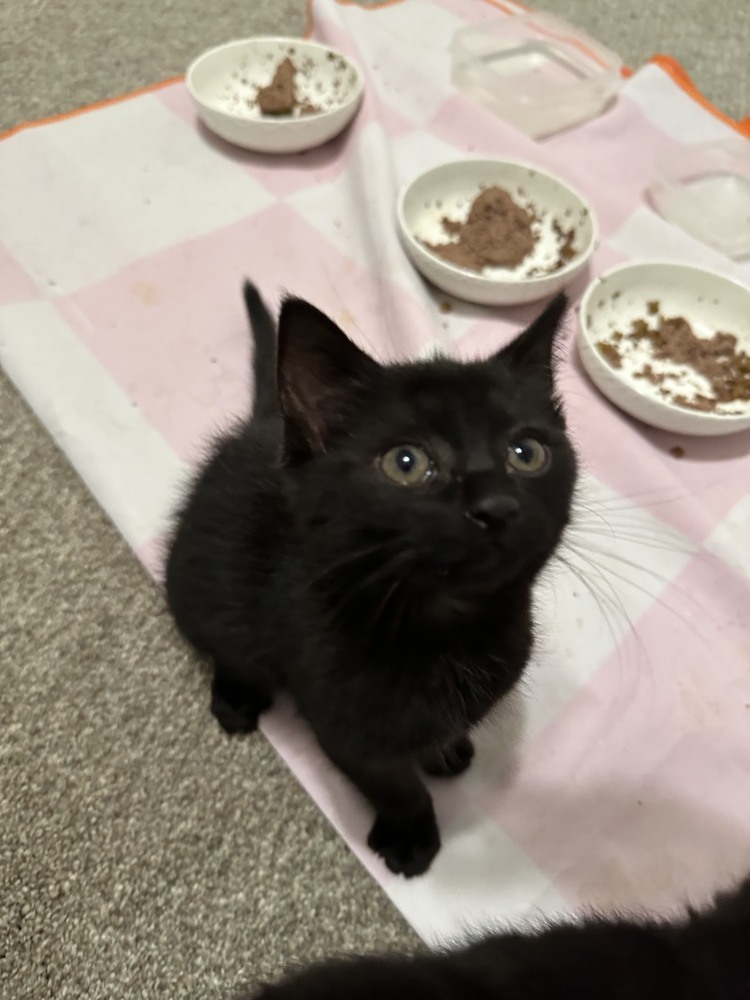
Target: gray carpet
(141, 853)
(56, 55)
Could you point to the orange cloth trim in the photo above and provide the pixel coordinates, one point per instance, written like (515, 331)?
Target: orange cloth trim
(105, 103)
(505, 8)
(681, 77)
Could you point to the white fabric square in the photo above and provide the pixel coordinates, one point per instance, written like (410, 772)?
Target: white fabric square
(126, 464)
(670, 108)
(148, 181)
(485, 875)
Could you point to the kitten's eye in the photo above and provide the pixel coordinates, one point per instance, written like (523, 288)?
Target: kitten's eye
(407, 465)
(528, 456)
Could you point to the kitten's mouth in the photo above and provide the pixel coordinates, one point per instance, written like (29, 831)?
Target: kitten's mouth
(478, 578)
(468, 585)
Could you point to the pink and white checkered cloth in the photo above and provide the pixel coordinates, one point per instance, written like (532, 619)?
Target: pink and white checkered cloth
(621, 774)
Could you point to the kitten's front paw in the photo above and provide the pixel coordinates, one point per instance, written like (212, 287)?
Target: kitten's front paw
(451, 761)
(406, 847)
(236, 707)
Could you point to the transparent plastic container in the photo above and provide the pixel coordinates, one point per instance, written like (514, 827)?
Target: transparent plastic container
(536, 71)
(705, 189)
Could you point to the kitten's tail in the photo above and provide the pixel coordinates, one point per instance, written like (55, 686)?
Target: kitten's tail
(264, 361)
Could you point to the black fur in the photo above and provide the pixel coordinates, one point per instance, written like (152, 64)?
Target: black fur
(705, 956)
(396, 616)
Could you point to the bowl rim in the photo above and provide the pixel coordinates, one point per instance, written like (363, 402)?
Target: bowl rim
(574, 265)
(276, 123)
(584, 334)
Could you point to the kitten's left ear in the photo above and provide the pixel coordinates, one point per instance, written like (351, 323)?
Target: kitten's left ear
(322, 377)
(533, 348)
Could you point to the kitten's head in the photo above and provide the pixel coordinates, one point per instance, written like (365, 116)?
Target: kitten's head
(423, 489)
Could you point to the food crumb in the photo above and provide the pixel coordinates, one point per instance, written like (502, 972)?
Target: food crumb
(566, 250)
(446, 307)
(610, 353)
(653, 307)
(451, 226)
(677, 452)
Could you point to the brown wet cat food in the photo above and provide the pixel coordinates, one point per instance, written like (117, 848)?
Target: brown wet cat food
(567, 251)
(497, 233)
(724, 370)
(610, 353)
(280, 96)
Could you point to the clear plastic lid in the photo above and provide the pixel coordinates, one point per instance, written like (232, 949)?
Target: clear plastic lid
(705, 189)
(535, 71)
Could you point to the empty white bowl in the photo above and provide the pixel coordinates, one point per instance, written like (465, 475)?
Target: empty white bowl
(705, 189)
(708, 301)
(449, 190)
(223, 83)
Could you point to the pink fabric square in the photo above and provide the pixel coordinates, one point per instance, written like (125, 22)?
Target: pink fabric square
(692, 492)
(609, 180)
(660, 843)
(595, 786)
(281, 175)
(615, 176)
(171, 328)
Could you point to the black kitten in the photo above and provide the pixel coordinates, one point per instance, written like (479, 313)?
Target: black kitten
(368, 542)
(705, 956)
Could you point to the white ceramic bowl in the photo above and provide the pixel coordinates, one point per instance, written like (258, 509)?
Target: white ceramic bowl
(708, 301)
(450, 189)
(224, 81)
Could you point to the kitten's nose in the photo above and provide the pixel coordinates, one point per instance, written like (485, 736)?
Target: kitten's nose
(493, 510)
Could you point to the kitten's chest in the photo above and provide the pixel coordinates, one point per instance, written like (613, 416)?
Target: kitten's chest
(462, 689)
(406, 707)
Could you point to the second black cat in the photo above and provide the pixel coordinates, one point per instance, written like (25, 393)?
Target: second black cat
(368, 542)
(702, 956)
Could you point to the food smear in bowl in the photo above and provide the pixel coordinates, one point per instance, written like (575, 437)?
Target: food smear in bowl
(280, 96)
(709, 374)
(499, 231)
(286, 84)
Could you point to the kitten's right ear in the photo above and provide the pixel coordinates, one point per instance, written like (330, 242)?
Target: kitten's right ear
(322, 377)
(534, 347)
